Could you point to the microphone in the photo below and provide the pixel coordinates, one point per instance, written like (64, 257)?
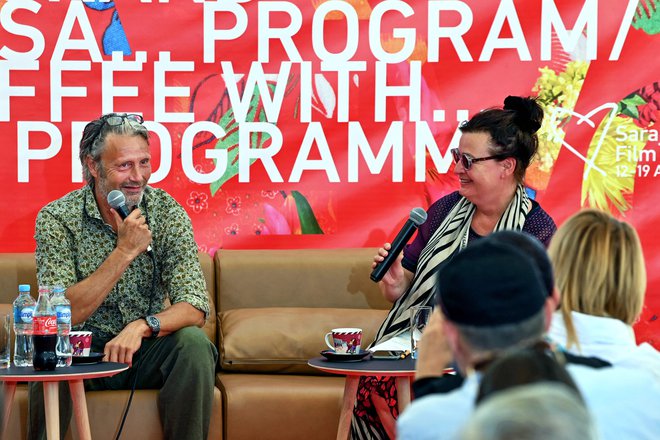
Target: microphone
(417, 217)
(117, 201)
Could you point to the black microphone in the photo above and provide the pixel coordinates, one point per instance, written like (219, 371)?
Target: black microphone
(417, 217)
(117, 201)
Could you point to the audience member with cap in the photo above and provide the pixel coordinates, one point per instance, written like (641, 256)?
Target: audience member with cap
(491, 299)
(433, 360)
(599, 268)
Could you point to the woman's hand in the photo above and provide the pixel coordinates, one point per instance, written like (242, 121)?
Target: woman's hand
(396, 280)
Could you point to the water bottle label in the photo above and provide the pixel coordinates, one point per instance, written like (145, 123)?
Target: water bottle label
(24, 315)
(63, 314)
(44, 325)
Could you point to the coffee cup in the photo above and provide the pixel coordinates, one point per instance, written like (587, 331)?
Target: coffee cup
(344, 340)
(81, 342)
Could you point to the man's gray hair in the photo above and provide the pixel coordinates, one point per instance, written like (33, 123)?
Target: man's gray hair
(95, 133)
(503, 337)
(529, 412)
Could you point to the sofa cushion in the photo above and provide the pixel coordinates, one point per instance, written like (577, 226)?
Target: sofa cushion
(283, 339)
(299, 278)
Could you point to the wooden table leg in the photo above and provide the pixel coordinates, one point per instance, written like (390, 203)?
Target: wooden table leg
(80, 409)
(51, 404)
(403, 392)
(9, 391)
(350, 392)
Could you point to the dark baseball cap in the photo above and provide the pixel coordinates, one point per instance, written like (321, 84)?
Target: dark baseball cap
(532, 247)
(490, 283)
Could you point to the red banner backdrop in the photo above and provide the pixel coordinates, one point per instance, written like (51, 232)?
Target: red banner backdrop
(312, 123)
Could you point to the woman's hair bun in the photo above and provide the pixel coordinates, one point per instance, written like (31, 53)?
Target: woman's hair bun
(528, 113)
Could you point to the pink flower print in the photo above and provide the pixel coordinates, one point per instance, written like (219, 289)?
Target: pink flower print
(268, 194)
(232, 230)
(197, 201)
(275, 222)
(233, 205)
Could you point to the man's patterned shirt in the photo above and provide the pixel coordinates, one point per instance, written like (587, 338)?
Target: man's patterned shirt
(73, 241)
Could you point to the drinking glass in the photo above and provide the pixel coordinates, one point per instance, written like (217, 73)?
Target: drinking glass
(419, 318)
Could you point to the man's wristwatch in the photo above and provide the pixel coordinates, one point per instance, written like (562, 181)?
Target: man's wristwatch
(154, 325)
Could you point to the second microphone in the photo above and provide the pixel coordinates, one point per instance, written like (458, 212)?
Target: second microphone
(417, 218)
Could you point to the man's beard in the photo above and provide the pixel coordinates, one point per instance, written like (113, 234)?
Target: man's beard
(132, 201)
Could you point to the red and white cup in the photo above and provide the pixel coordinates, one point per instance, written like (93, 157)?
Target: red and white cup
(81, 342)
(344, 340)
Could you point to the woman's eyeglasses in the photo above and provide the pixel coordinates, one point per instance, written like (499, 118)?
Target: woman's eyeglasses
(467, 160)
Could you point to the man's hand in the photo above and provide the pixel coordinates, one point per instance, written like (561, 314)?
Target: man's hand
(434, 351)
(123, 346)
(133, 234)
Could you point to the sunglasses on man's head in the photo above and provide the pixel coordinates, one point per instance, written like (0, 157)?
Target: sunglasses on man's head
(467, 160)
(119, 119)
(94, 128)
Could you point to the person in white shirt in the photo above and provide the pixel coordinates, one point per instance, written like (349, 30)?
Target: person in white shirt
(599, 269)
(537, 411)
(491, 299)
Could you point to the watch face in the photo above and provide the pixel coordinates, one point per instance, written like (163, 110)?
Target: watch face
(153, 322)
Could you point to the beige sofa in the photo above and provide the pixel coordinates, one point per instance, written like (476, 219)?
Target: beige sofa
(271, 311)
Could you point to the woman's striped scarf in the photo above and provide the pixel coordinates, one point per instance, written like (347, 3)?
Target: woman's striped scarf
(451, 235)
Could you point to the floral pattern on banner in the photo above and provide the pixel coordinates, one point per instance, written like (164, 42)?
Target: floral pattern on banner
(643, 105)
(278, 213)
(197, 201)
(557, 92)
(612, 188)
(233, 229)
(233, 205)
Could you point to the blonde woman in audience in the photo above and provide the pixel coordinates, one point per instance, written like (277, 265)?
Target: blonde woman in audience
(599, 270)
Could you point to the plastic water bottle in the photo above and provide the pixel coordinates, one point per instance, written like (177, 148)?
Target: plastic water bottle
(62, 308)
(44, 333)
(23, 311)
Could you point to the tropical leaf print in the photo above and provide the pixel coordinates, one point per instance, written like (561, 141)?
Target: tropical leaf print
(308, 222)
(647, 17)
(230, 141)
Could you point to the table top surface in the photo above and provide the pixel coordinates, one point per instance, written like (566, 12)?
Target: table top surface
(367, 367)
(74, 372)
